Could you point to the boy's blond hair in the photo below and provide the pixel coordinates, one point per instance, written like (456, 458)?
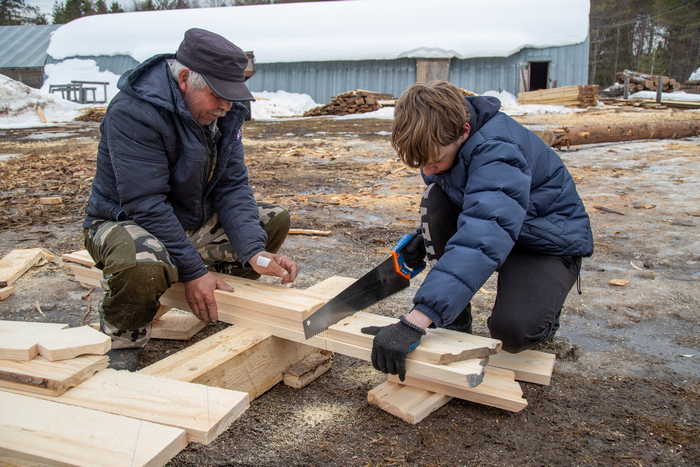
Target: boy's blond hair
(427, 116)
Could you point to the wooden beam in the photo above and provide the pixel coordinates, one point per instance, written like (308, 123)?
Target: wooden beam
(235, 358)
(203, 412)
(409, 404)
(46, 433)
(42, 376)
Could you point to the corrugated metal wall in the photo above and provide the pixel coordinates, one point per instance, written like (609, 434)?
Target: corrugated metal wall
(117, 64)
(23, 52)
(323, 80)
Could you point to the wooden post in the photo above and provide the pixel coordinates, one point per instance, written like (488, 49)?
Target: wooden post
(659, 89)
(626, 94)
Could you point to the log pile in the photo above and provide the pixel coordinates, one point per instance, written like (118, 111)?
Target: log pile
(351, 102)
(691, 86)
(570, 96)
(646, 82)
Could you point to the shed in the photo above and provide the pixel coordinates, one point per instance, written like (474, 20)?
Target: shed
(23, 52)
(326, 48)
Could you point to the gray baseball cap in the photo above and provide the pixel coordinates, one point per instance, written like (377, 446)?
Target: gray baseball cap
(219, 61)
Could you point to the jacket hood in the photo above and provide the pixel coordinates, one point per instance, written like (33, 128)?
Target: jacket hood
(482, 110)
(151, 81)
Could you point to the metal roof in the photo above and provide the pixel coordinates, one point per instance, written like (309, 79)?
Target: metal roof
(24, 46)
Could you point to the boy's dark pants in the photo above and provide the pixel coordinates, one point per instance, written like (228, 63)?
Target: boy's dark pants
(532, 287)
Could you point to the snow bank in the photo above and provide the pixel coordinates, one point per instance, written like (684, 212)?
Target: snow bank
(270, 105)
(18, 106)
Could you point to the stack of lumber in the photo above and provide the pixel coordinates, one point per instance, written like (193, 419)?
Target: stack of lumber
(63, 407)
(690, 86)
(646, 82)
(351, 102)
(447, 363)
(16, 263)
(570, 96)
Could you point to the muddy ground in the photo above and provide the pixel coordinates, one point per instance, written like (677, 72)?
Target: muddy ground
(625, 390)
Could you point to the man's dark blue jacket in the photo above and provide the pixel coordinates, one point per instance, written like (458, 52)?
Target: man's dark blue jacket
(152, 166)
(514, 191)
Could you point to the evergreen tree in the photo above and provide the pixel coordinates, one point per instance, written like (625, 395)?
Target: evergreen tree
(72, 9)
(17, 12)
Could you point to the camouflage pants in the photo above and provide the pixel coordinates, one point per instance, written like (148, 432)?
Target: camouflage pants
(137, 268)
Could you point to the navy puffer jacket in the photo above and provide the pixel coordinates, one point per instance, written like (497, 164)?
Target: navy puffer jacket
(514, 191)
(152, 166)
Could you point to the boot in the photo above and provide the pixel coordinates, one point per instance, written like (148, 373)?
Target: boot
(463, 323)
(124, 359)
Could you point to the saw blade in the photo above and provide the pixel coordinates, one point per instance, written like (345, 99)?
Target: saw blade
(374, 286)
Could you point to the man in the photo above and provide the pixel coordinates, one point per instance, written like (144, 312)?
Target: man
(498, 199)
(170, 199)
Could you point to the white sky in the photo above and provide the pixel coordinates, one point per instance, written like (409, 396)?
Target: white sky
(340, 30)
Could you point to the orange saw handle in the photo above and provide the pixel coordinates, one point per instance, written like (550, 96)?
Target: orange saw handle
(399, 265)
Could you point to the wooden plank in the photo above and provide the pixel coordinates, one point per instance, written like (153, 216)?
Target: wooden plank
(45, 432)
(498, 389)
(409, 404)
(79, 257)
(18, 339)
(69, 343)
(235, 358)
(16, 263)
(177, 326)
(6, 292)
(42, 376)
(438, 346)
(531, 366)
(203, 412)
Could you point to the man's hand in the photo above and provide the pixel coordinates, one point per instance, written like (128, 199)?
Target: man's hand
(271, 264)
(200, 295)
(414, 252)
(392, 344)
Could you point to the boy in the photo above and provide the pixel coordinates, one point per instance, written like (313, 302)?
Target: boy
(498, 199)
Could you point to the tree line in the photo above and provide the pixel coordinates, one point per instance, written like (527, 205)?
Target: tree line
(19, 12)
(657, 37)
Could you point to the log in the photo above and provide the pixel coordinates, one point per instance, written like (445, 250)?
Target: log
(558, 137)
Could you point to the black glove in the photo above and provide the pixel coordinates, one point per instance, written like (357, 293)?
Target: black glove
(392, 344)
(414, 252)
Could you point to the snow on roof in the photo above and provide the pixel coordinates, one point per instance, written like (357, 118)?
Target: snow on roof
(338, 30)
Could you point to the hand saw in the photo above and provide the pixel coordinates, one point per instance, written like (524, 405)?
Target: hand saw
(386, 279)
